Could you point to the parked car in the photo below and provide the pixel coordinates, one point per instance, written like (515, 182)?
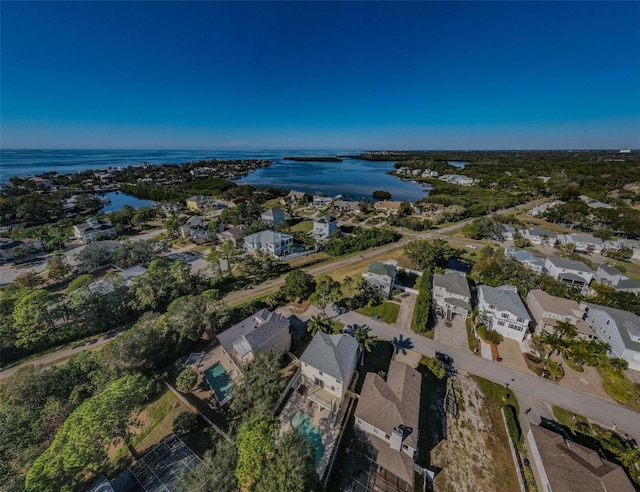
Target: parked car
(447, 359)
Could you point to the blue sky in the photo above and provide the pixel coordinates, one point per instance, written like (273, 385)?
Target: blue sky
(415, 75)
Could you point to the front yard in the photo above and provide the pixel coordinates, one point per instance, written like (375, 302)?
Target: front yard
(387, 311)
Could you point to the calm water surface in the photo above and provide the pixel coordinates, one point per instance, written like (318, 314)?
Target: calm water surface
(119, 199)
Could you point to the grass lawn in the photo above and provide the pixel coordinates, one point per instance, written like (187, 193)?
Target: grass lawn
(302, 226)
(312, 259)
(201, 248)
(337, 326)
(388, 311)
(272, 203)
(619, 386)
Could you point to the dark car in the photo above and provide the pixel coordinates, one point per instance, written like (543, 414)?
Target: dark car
(447, 359)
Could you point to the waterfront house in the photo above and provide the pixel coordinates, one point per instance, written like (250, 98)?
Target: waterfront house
(613, 277)
(198, 203)
(389, 208)
(388, 414)
(327, 368)
(273, 216)
(322, 201)
(324, 227)
(270, 242)
(548, 310)
(293, 198)
(565, 466)
(620, 329)
(451, 294)
(527, 258)
(382, 276)
(347, 206)
(235, 235)
(537, 235)
(570, 271)
(503, 311)
(94, 230)
(583, 243)
(264, 331)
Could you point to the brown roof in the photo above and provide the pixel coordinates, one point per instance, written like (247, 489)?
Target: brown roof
(396, 401)
(397, 462)
(389, 205)
(571, 467)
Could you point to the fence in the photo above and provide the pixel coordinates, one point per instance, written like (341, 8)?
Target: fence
(514, 454)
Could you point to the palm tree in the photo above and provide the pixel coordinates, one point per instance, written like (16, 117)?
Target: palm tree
(554, 342)
(365, 340)
(579, 352)
(565, 329)
(619, 364)
(229, 252)
(401, 344)
(319, 323)
(348, 282)
(629, 457)
(476, 316)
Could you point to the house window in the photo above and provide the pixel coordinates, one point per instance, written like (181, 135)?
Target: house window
(608, 321)
(501, 323)
(505, 315)
(320, 372)
(520, 320)
(491, 306)
(333, 388)
(387, 437)
(404, 446)
(375, 431)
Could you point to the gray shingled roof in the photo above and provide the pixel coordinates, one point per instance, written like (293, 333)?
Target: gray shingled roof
(627, 284)
(628, 324)
(570, 264)
(538, 231)
(505, 298)
(610, 270)
(332, 354)
(257, 329)
(453, 283)
(378, 268)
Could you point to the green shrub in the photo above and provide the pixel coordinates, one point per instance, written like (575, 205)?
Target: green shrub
(533, 358)
(489, 335)
(186, 380)
(184, 423)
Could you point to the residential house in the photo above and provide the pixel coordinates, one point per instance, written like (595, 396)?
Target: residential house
(548, 310)
(382, 276)
(235, 234)
(327, 368)
(583, 243)
(388, 414)
(108, 284)
(504, 311)
(451, 294)
(273, 216)
(593, 203)
(192, 224)
(537, 235)
(294, 198)
(566, 466)
(632, 244)
(428, 208)
(389, 208)
(569, 271)
(11, 249)
(347, 206)
(198, 203)
(613, 277)
(270, 242)
(94, 230)
(541, 209)
(264, 331)
(508, 232)
(324, 227)
(620, 329)
(528, 259)
(322, 201)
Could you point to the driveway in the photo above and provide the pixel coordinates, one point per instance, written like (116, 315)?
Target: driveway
(454, 335)
(405, 314)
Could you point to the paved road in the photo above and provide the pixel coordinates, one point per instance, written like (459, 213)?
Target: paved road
(601, 411)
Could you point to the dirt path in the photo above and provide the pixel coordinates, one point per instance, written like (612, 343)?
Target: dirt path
(475, 456)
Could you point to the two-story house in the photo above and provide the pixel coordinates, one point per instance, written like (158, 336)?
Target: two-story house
(322, 201)
(293, 198)
(324, 227)
(234, 235)
(94, 230)
(389, 208)
(382, 276)
(347, 206)
(198, 203)
(451, 294)
(583, 243)
(503, 311)
(620, 329)
(569, 271)
(610, 275)
(273, 216)
(548, 310)
(264, 331)
(537, 235)
(528, 259)
(327, 368)
(388, 414)
(269, 242)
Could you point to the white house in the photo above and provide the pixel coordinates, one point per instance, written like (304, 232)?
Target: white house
(270, 242)
(324, 227)
(583, 243)
(508, 232)
(548, 310)
(620, 329)
(504, 311)
(327, 368)
(382, 276)
(562, 465)
(451, 294)
(109, 283)
(593, 203)
(322, 201)
(569, 271)
(347, 206)
(273, 216)
(537, 235)
(527, 258)
(94, 230)
(541, 209)
(613, 277)
(264, 331)
(388, 413)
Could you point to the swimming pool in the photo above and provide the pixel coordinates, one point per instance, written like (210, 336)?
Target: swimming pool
(219, 381)
(301, 422)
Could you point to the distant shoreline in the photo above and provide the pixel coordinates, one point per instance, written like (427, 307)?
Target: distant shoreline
(312, 159)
